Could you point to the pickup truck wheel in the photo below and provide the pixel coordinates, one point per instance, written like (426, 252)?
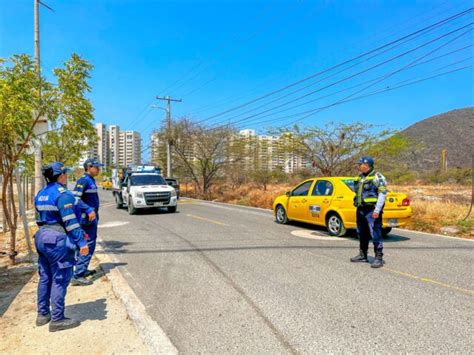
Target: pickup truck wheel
(118, 202)
(172, 209)
(386, 231)
(280, 215)
(131, 209)
(335, 225)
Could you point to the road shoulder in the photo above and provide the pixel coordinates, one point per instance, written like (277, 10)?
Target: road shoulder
(105, 329)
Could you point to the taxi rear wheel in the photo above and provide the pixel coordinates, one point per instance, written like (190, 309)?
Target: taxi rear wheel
(280, 215)
(335, 225)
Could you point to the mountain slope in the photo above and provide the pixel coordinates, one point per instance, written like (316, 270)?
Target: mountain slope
(453, 131)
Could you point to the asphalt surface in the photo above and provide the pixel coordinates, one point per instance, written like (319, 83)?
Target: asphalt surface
(225, 279)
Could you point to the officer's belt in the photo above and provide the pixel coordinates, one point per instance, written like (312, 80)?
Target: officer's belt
(55, 227)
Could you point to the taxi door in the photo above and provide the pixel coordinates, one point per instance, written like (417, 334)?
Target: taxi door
(298, 201)
(319, 201)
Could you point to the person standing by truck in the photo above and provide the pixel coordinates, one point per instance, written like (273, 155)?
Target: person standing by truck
(371, 190)
(86, 191)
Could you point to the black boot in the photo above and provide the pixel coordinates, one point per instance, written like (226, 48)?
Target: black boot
(360, 258)
(90, 273)
(63, 324)
(378, 262)
(80, 281)
(42, 319)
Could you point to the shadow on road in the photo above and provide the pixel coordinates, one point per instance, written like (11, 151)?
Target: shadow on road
(351, 233)
(93, 310)
(104, 269)
(157, 211)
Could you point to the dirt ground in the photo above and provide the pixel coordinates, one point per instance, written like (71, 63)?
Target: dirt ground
(105, 327)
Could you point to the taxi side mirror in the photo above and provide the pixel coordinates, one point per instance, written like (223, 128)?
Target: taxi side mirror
(288, 193)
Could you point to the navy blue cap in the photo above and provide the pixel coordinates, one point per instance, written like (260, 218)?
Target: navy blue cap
(54, 169)
(366, 160)
(92, 162)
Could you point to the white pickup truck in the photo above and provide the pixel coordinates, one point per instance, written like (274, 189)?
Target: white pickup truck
(145, 189)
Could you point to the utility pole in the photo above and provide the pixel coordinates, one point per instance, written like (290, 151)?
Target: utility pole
(168, 132)
(37, 144)
(41, 124)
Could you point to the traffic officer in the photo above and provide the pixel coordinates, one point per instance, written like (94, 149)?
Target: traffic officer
(56, 241)
(86, 194)
(371, 190)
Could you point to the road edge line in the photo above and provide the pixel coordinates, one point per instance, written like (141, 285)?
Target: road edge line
(150, 332)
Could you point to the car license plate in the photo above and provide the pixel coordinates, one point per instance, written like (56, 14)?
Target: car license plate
(158, 204)
(393, 222)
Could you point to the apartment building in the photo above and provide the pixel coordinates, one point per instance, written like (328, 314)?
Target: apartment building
(267, 152)
(103, 144)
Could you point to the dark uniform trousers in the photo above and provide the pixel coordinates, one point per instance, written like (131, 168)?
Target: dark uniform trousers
(369, 227)
(56, 261)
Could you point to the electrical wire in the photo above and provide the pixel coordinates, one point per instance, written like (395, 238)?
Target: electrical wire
(446, 20)
(361, 72)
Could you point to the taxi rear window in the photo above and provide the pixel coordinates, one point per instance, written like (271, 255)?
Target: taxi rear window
(349, 183)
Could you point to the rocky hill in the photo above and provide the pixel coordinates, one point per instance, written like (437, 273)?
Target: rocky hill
(453, 131)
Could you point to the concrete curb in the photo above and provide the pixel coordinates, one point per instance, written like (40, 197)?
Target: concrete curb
(270, 211)
(151, 333)
(432, 234)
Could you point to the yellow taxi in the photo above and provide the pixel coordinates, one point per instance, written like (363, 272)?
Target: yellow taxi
(329, 202)
(107, 184)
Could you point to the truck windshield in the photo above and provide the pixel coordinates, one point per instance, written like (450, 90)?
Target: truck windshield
(139, 179)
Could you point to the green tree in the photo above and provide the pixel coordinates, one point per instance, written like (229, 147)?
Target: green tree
(24, 99)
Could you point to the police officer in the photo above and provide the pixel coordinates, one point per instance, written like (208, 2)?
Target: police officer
(56, 241)
(86, 194)
(371, 191)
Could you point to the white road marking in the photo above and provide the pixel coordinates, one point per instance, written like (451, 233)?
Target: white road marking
(113, 224)
(309, 234)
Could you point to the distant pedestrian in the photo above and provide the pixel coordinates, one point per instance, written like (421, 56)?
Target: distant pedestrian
(56, 241)
(86, 192)
(371, 191)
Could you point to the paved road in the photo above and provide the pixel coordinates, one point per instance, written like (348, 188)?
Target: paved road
(224, 279)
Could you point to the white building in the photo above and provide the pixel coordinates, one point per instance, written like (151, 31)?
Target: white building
(103, 144)
(114, 145)
(130, 148)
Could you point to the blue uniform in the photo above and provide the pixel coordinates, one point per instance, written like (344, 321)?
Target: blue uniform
(88, 200)
(60, 234)
(371, 191)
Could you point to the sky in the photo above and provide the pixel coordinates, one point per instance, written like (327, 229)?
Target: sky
(225, 55)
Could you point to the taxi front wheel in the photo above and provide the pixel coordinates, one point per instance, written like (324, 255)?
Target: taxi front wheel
(280, 215)
(335, 226)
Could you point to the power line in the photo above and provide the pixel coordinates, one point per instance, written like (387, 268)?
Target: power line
(339, 65)
(356, 74)
(390, 88)
(377, 92)
(358, 85)
(314, 83)
(232, 98)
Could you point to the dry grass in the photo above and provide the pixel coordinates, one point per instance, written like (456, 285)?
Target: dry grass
(434, 206)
